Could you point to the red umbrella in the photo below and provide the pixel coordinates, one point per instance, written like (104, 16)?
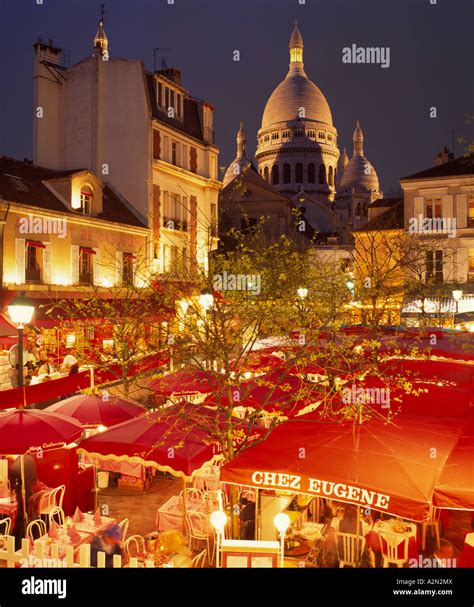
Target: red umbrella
(25, 430)
(174, 440)
(92, 410)
(185, 381)
(272, 392)
(387, 467)
(257, 360)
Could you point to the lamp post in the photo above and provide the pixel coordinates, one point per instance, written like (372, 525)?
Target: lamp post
(302, 293)
(218, 521)
(282, 522)
(457, 296)
(21, 312)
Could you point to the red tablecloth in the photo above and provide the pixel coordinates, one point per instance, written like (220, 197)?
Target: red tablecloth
(9, 507)
(466, 558)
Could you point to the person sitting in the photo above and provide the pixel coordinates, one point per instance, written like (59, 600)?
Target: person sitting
(171, 551)
(247, 518)
(69, 363)
(110, 542)
(46, 367)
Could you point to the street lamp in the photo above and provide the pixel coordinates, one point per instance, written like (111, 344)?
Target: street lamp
(206, 300)
(282, 522)
(21, 312)
(218, 521)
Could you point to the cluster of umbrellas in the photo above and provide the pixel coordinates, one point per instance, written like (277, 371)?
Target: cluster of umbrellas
(424, 458)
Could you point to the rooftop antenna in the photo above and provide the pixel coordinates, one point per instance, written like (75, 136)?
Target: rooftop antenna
(452, 134)
(102, 11)
(163, 60)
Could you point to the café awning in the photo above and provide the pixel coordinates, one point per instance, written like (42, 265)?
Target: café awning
(393, 468)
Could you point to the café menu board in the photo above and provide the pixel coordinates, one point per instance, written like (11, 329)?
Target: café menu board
(243, 554)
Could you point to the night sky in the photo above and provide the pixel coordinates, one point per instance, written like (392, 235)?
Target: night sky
(430, 53)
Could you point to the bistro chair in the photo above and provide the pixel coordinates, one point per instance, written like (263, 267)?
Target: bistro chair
(199, 560)
(36, 529)
(134, 546)
(390, 544)
(213, 498)
(51, 499)
(200, 533)
(123, 526)
(5, 528)
(56, 514)
(350, 548)
(193, 494)
(434, 524)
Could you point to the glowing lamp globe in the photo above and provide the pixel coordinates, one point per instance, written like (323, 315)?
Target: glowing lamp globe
(21, 311)
(219, 520)
(281, 522)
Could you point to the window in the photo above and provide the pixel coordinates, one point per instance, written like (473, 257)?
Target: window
(213, 219)
(160, 94)
(286, 173)
(172, 104)
(16, 182)
(433, 208)
(299, 132)
(33, 261)
(311, 172)
(286, 135)
(167, 98)
(275, 136)
(331, 176)
(86, 200)
(267, 138)
(179, 105)
(470, 265)
(275, 174)
(329, 137)
(86, 266)
(470, 213)
(312, 134)
(434, 266)
(322, 174)
(321, 135)
(128, 268)
(174, 153)
(265, 173)
(299, 172)
(175, 215)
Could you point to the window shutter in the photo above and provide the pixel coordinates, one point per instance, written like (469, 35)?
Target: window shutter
(74, 264)
(447, 210)
(20, 253)
(461, 210)
(118, 268)
(47, 263)
(419, 206)
(448, 265)
(461, 264)
(95, 266)
(136, 282)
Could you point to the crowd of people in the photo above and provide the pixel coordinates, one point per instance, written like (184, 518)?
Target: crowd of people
(41, 365)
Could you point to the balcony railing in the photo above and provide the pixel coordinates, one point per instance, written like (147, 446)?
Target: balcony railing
(86, 278)
(175, 224)
(33, 275)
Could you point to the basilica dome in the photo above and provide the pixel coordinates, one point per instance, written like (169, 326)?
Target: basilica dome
(295, 92)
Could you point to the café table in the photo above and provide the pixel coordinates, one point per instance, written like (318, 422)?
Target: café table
(89, 526)
(63, 541)
(466, 558)
(170, 514)
(9, 507)
(374, 538)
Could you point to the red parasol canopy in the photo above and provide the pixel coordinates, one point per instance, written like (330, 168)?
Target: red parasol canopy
(92, 410)
(25, 430)
(174, 440)
(391, 468)
(271, 392)
(185, 381)
(257, 360)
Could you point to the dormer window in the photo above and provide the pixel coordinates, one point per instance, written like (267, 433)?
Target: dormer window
(298, 132)
(86, 200)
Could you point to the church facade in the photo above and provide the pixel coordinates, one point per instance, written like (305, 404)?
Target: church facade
(298, 155)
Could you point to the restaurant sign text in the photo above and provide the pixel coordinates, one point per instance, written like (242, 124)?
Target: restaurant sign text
(322, 488)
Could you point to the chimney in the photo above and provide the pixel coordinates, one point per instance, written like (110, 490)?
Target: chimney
(172, 73)
(443, 157)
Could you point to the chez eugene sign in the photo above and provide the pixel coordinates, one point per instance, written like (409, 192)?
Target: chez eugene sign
(315, 486)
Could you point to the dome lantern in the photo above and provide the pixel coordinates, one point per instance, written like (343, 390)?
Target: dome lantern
(358, 139)
(296, 45)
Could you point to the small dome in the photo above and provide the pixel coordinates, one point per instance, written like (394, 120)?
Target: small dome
(240, 162)
(359, 173)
